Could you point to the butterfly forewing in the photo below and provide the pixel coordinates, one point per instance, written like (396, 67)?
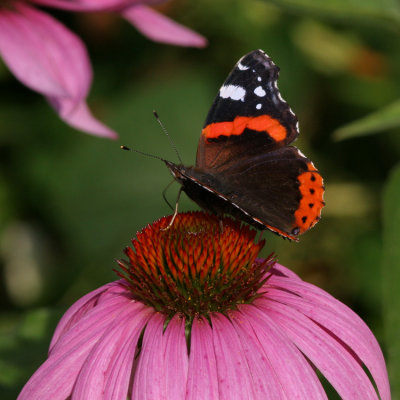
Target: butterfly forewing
(248, 114)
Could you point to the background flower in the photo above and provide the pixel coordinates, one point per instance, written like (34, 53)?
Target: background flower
(221, 325)
(50, 59)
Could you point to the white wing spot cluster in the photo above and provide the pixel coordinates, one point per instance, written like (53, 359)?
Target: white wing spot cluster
(232, 92)
(258, 106)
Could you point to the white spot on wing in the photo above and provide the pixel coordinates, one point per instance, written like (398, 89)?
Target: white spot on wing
(259, 78)
(258, 106)
(259, 91)
(277, 91)
(232, 92)
(300, 153)
(242, 67)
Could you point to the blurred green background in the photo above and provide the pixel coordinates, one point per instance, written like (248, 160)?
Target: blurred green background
(70, 202)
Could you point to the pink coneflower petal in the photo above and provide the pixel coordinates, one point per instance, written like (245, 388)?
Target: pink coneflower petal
(266, 383)
(334, 316)
(176, 358)
(339, 366)
(161, 370)
(280, 270)
(160, 28)
(91, 5)
(79, 116)
(149, 380)
(36, 62)
(82, 306)
(202, 380)
(109, 354)
(70, 352)
(294, 373)
(234, 373)
(149, 22)
(50, 59)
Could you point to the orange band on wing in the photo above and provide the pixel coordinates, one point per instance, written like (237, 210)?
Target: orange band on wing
(262, 123)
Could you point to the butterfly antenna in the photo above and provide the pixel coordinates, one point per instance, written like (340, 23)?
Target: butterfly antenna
(167, 134)
(142, 153)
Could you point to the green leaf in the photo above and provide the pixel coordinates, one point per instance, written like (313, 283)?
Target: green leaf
(386, 118)
(365, 11)
(391, 277)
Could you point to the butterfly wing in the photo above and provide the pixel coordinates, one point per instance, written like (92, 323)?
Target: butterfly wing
(279, 190)
(248, 115)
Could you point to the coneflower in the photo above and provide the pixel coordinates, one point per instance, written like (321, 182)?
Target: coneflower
(196, 315)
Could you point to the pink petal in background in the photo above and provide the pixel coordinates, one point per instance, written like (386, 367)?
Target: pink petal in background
(31, 57)
(91, 5)
(162, 29)
(50, 59)
(79, 116)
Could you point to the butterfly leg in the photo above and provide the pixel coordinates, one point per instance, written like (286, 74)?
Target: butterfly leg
(164, 194)
(175, 212)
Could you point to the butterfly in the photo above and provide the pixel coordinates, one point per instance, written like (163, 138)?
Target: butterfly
(245, 166)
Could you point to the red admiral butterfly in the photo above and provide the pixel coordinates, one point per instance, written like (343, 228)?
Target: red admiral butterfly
(244, 166)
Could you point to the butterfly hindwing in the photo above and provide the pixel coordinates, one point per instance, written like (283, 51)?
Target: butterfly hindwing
(280, 190)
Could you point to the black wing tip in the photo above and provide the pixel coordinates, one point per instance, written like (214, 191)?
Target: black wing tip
(257, 57)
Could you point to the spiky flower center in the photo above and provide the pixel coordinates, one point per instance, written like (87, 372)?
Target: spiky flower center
(201, 264)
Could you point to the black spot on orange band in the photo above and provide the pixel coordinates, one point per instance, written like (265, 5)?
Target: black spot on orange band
(312, 191)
